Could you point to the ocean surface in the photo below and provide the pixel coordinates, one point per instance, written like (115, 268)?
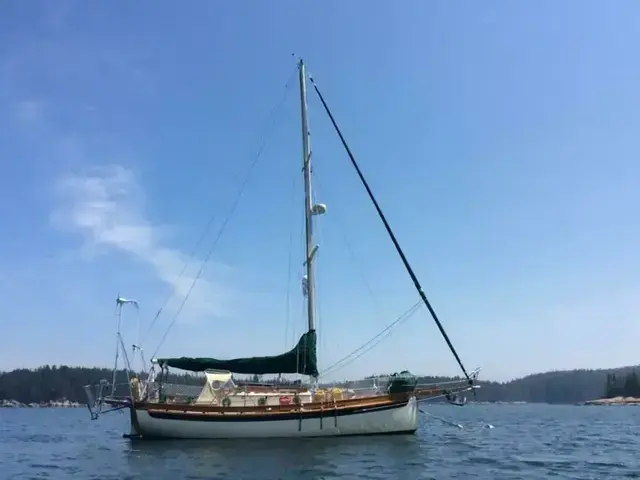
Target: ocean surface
(527, 442)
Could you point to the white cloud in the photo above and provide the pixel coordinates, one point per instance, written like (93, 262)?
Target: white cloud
(103, 206)
(106, 207)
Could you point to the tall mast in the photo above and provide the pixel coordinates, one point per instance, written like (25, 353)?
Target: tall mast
(308, 204)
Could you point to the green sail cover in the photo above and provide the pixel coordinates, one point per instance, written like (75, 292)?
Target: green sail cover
(301, 359)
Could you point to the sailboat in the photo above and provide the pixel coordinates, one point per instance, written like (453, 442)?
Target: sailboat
(224, 408)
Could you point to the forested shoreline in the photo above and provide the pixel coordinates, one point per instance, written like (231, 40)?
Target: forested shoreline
(47, 385)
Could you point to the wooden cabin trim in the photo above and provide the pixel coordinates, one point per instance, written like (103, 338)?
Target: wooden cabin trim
(378, 400)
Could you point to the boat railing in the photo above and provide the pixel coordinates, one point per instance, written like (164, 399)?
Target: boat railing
(105, 397)
(169, 392)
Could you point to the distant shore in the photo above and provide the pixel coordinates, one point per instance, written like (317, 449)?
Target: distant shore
(614, 401)
(68, 404)
(51, 404)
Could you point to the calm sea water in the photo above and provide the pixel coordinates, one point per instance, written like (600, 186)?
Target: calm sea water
(527, 442)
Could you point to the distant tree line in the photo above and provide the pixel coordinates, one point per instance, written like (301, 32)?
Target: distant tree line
(569, 386)
(51, 383)
(622, 385)
(565, 387)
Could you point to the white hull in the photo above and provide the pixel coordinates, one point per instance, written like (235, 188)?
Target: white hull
(370, 421)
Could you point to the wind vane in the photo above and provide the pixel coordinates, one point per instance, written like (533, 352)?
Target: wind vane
(121, 301)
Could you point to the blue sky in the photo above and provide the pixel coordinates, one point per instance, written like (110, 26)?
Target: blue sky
(501, 142)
